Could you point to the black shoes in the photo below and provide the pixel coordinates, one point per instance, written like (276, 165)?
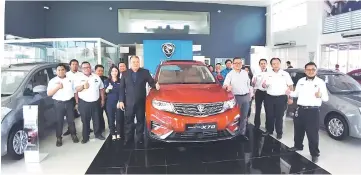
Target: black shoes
(279, 136)
(59, 142)
(314, 159)
(75, 139)
(100, 137)
(66, 133)
(84, 141)
(293, 149)
(266, 133)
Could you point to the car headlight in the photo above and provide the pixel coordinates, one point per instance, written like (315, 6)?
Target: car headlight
(163, 106)
(229, 104)
(5, 111)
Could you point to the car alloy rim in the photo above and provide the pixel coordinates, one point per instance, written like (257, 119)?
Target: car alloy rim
(20, 141)
(335, 126)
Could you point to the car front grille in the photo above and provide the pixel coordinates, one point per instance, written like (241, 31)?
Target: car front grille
(202, 109)
(199, 136)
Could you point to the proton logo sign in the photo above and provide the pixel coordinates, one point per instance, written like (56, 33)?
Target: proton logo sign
(200, 108)
(168, 49)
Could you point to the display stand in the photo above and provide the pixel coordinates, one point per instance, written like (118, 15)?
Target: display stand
(32, 151)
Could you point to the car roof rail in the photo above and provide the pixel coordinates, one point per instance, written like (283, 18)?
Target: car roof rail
(26, 64)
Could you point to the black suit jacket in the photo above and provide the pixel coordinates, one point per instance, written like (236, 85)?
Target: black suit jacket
(134, 93)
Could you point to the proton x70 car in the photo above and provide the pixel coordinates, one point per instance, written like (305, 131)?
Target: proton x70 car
(341, 114)
(191, 106)
(24, 84)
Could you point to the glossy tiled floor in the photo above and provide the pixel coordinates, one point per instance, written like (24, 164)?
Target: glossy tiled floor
(260, 155)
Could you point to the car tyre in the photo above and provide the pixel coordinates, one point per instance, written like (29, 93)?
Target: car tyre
(337, 127)
(17, 142)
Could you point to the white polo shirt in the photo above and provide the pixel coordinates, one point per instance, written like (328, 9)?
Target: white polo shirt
(277, 82)
(64, 94)
(258, 80)
(72, 75)
(306, 92)
(239, 81)
(91, 94)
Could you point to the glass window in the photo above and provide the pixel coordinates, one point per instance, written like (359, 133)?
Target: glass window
(185, 74)
(341, 83)
(11, 80)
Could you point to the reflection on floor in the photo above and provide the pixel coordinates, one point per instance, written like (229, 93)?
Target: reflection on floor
(260, 155)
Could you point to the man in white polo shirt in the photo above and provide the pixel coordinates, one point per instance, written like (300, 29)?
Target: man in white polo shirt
(237, 81)
(277, 82)
(62, 91)
(90, 88)
(71, 74)
(260, 92)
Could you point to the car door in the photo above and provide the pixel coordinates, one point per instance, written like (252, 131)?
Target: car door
(37, 95)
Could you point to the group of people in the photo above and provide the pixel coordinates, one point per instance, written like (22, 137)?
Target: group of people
(274, 90)
(121, 95)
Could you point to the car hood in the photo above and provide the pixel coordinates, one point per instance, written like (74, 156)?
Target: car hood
(352, 98)
(191, 93)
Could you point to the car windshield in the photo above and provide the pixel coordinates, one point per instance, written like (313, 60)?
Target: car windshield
(341, 83)
(10, 81)
(185, 74)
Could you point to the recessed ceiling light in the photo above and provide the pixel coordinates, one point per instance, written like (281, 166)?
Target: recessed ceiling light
(46, 7)
(219, 11)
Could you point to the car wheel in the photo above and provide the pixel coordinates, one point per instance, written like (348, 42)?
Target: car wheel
(17, 142)
(337, 127)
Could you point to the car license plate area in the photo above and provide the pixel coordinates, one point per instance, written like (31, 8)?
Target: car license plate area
(201, 127)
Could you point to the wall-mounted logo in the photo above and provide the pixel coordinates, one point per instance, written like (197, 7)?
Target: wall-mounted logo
(168, 49)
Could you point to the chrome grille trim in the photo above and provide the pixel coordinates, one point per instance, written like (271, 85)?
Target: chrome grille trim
(192, 109)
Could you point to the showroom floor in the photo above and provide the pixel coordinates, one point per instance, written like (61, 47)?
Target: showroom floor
(260, 155)
(337, 157)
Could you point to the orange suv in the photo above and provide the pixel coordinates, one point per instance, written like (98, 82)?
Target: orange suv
(191, 106)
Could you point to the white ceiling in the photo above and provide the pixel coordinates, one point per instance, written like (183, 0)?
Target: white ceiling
(262, 3)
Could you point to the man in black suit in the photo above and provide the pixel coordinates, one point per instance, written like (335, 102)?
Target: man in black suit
(132, 98)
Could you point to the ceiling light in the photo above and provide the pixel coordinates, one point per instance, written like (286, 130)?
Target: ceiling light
(219, 11)
(46, 7)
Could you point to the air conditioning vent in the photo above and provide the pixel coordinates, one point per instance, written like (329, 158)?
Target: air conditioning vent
(351, 35)
(286, 44)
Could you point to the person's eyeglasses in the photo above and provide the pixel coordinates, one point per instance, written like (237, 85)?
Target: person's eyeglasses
(310, 70)
(85, 67)
(237, 63)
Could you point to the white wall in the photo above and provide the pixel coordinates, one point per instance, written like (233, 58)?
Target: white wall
(307, 35)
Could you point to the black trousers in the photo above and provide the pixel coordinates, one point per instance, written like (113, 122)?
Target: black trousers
(115, 118)
(89, 111)
(260, 97)
(139, 113)
(275, 110)
(101, 116)
(64, 108)
(307, 121)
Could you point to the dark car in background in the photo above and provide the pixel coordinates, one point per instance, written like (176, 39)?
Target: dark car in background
(24, 84)
(356, 74)
(341, 115)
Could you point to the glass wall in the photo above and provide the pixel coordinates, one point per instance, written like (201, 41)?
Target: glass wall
(296, 55)
(61, 50)
(346, 55)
